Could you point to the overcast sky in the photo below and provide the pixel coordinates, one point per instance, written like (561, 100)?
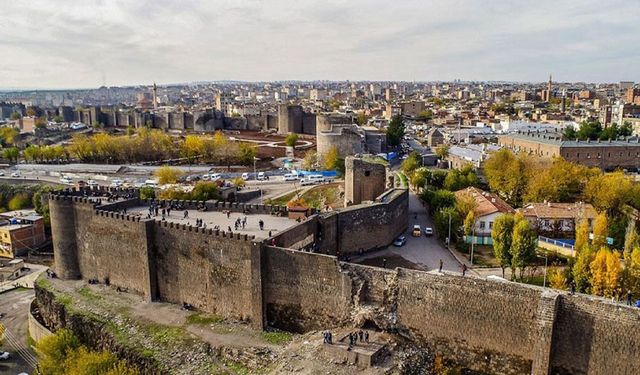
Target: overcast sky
(88, 43)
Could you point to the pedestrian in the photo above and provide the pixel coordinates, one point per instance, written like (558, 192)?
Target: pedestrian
(361, 335)
(156, 209)
(229, 228)
(261, 224)
(236, 225)
(384, 262)
(163, 212)
(330, 337)
(464, 269)
(169, 211)
(228, 214)
(573, 287)
(440, 268)
(629, 297)
(324, 337)
(186, 214)
(366, 336)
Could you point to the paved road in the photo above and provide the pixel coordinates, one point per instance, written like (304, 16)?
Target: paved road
(425, 252)
(15, 305)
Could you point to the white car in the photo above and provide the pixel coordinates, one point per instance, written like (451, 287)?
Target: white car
(4, 356)
(215, 176)
(92, 183)
(306, 181)
(261, 176)
(66, 180)
(245, 176)
(290, 177)
(428, 231)
(205, 177)
(15, 174)
(1, 173)
(116, 183)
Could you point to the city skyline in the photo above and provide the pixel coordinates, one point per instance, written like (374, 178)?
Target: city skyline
(95, 43)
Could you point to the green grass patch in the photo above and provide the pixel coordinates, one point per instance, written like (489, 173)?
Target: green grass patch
(375, 159)
(88, 294)
(277, 337)
(64, 299)
(237, 368)
(203, 319)
(165, 334)
(282, 200)
(403, 180)
(319, 196)
(43, 283)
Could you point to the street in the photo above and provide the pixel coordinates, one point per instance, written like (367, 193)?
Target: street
(424, 252)
(15, 306)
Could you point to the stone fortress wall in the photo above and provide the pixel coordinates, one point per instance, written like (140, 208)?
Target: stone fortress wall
(485, 325)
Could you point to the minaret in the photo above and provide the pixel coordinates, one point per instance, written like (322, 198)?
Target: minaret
(564, 100)
(549, 89)
(155, 97)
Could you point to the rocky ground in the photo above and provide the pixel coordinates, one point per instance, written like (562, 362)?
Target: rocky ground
(187, 342)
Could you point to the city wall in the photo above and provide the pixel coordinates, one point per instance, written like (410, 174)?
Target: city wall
(484, 325)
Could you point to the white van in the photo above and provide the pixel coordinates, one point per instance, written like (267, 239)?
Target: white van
(261, 176)
(245, 176)
(290, 177)
(151, 183)
(306, 181)
(318, 178)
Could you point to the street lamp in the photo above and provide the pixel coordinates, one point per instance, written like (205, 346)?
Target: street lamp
(449, 236)
(255, 175)
(544, 280)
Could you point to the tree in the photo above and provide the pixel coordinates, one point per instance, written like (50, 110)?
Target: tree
(590, 130)
(395, 130)
(204, 191)
(239, 182)
(291, 140)
(502, 234)
(411, 163)
(425, 115)
(19, 201)
(442, 151)
(582, 235)
(605, 273)
(331, 158)
(441, 221)
(310, 160)
(16, 116)
(167, 175)
(557, 278)
(147, 192)
(569, 133)
(245, 153)
(11, 154)
(362, 118)
(600, 231)
(609, 192)
(418, 178)
(469, 223)
(31, 111)
(523, 245)
(461, 178)
(560, 181)
(581, 269)
(8, 135)
(193, 147)
(42, 208)
(54, 350)
(632, 270)
(507, 175)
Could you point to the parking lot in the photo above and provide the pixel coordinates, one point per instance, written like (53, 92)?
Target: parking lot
(15, 306)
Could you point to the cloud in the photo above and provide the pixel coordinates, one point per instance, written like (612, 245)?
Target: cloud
(81, 43)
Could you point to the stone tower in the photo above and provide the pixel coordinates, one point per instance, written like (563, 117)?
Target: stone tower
(155, 97)
(63, 234)
(363, 181)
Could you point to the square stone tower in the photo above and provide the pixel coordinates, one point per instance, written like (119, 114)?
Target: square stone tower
(363, 181)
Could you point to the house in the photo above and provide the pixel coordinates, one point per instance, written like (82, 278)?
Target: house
(20, 231)
(558, 219)
(488, 207)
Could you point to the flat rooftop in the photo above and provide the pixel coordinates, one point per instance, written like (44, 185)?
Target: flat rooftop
(273, 224)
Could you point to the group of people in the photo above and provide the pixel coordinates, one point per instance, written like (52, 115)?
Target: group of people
(361, 335)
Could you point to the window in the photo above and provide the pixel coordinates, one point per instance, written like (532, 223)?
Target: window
(367, 173)
(490, 224)
(545, 222)
(482, 225)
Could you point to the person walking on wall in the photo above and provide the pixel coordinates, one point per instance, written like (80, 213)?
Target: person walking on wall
(464, 269)
(440, 268)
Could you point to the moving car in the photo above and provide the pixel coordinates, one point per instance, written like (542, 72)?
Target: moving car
(428, 231)
(4, 356)
(416, 231)
(400, 241)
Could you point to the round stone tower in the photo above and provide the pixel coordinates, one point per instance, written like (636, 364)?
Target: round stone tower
(63, 232)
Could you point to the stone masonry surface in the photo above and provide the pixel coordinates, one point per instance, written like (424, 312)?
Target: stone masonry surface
(484, 325)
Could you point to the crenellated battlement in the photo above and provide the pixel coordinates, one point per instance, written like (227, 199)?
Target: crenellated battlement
(204, 231)
(117, 215)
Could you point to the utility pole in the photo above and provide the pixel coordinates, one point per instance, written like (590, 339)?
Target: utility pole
(473, 235)
(449, 236)
(544, 280)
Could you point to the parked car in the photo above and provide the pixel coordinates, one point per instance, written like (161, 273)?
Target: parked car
(306, 181)
(215, 176)
(1, 173)
(66, 180)
(400, 241)
(92, 183)
(245, 176)
(261, 176)
(4, 356)
(205, 177)
(428, 231)
(290, 177)
(15, 174)
(116, 182)
(416, 231)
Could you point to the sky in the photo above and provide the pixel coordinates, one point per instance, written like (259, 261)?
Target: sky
(90, 43)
